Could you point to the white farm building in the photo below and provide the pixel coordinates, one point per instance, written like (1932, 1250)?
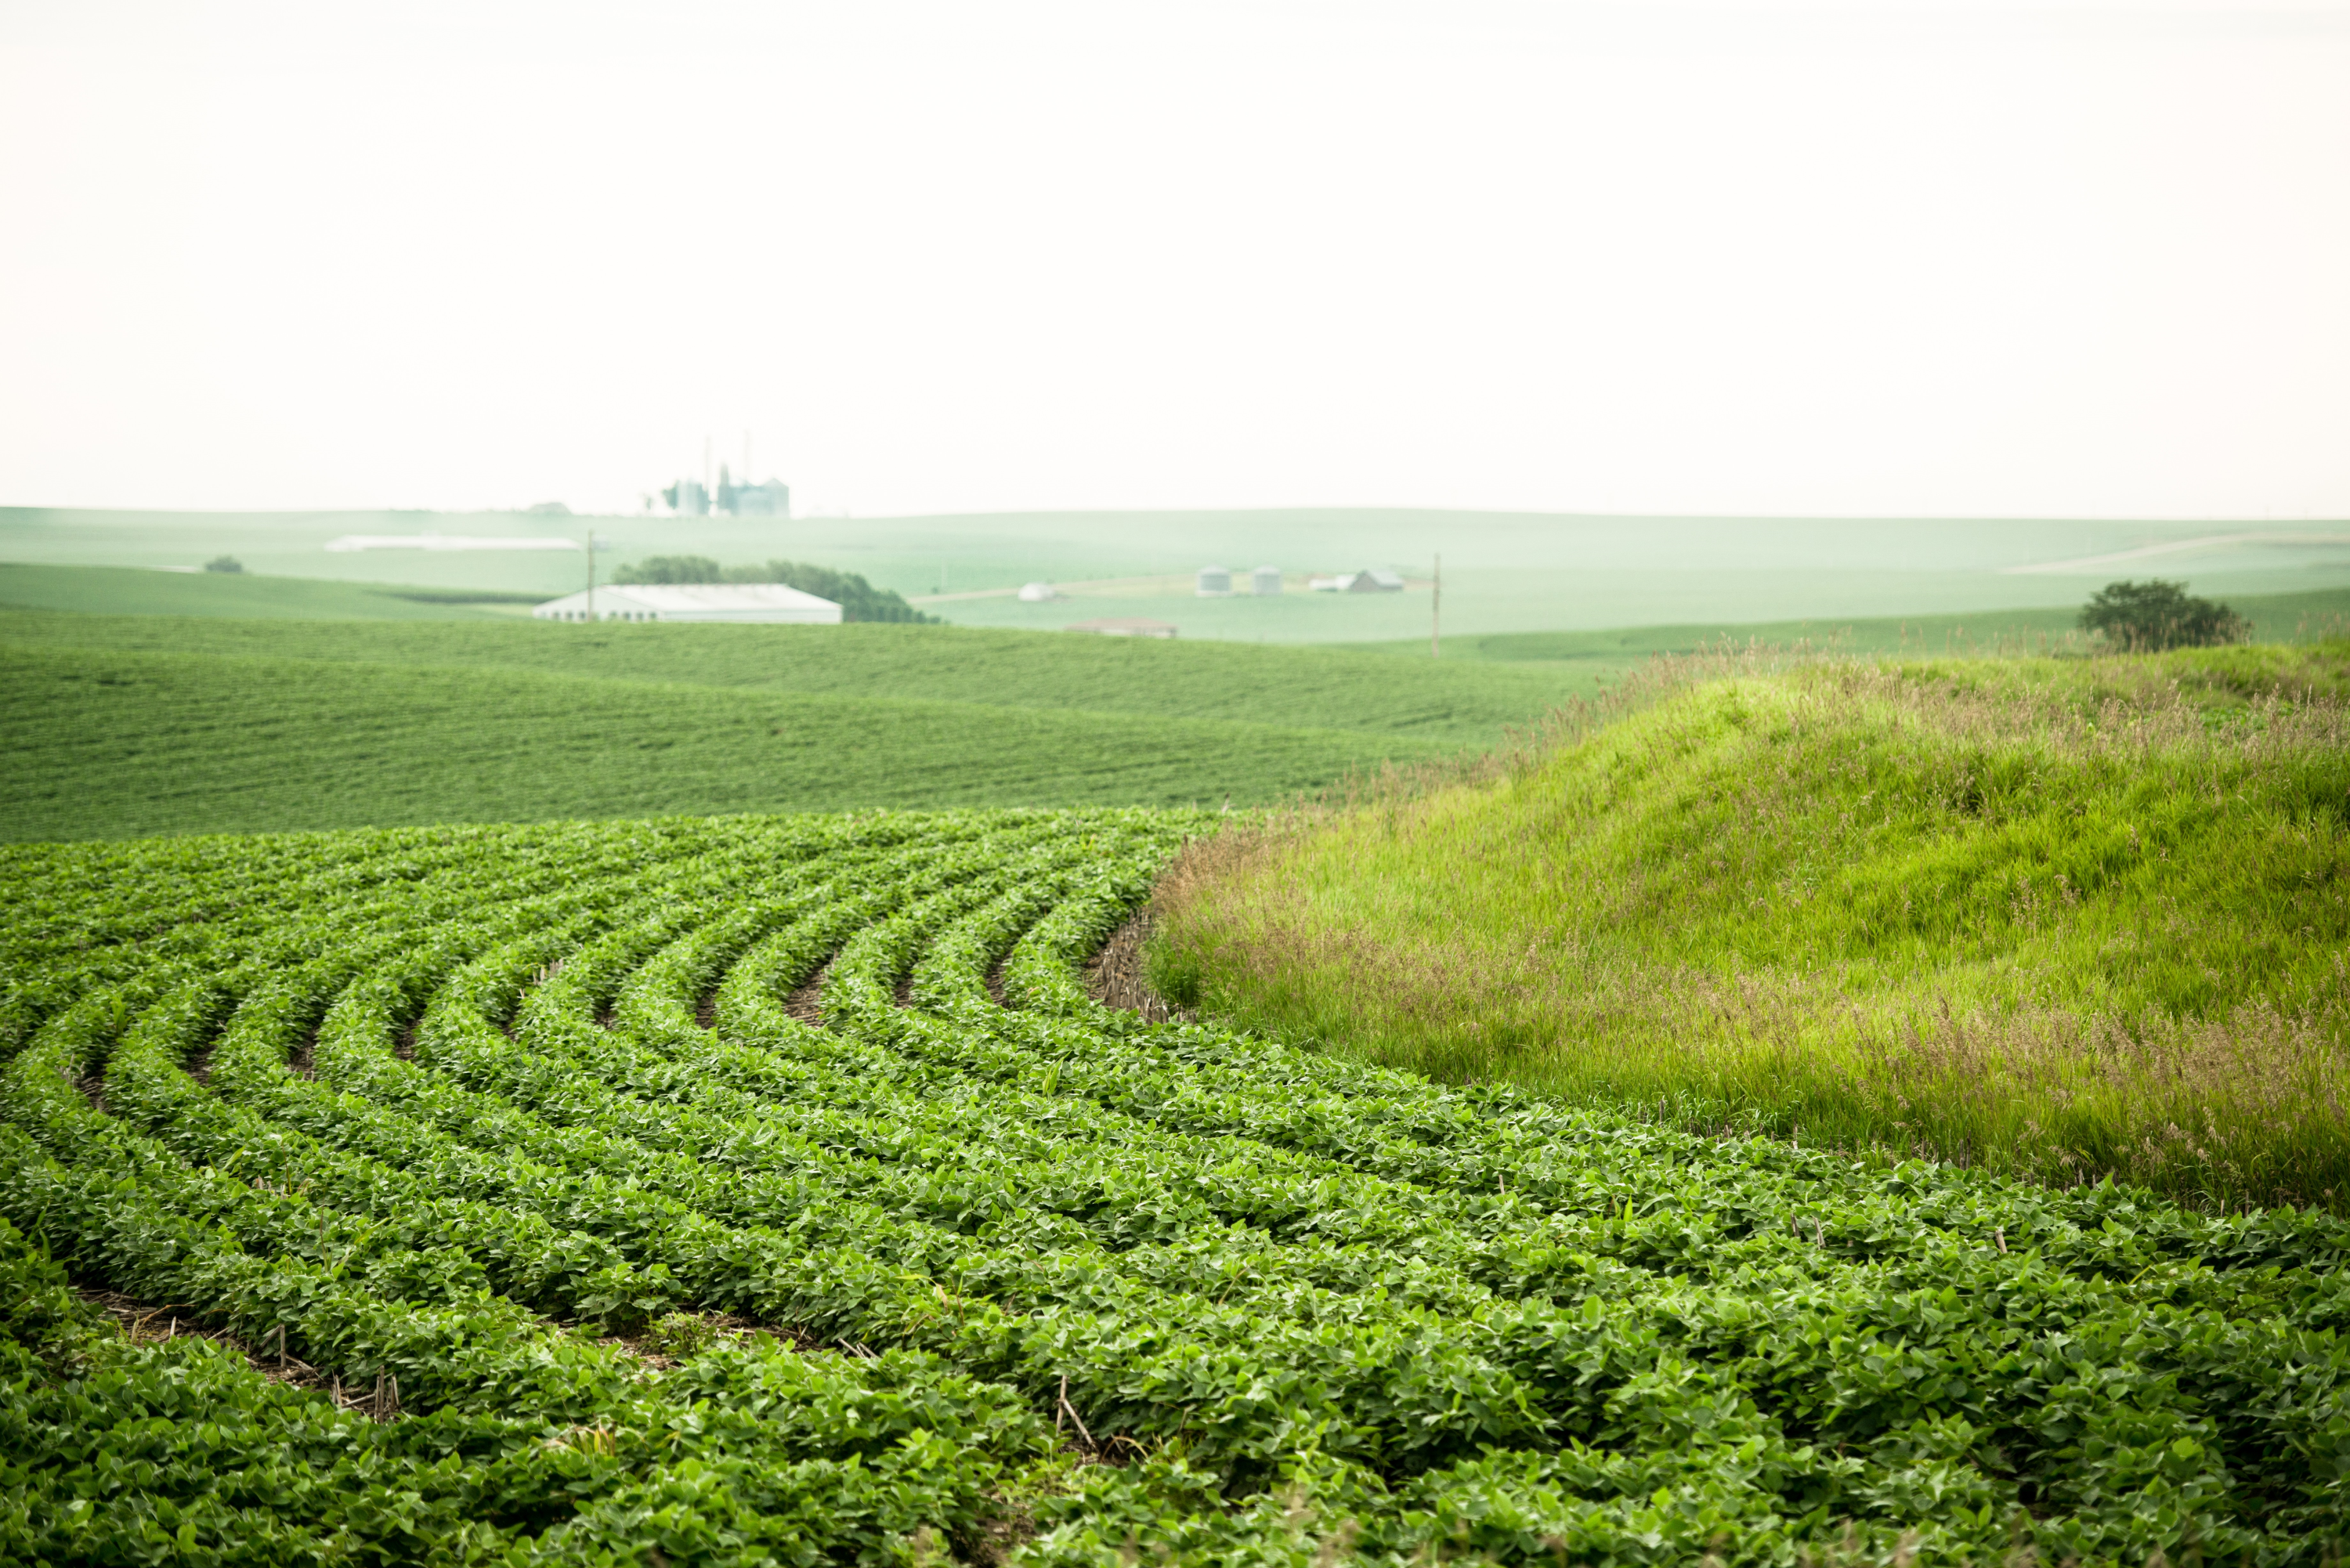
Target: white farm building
(767, 602)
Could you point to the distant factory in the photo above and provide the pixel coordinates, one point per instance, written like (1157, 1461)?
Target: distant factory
(691, 498)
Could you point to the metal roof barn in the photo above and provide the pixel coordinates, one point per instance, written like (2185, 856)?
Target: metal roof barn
(749, 602)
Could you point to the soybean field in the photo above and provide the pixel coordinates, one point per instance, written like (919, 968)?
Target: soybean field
(118, 726)
(776, 1191)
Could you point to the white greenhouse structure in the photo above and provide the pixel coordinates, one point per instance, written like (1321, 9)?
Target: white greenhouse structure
(749, 602)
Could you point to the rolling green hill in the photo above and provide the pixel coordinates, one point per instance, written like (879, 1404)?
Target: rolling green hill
(110, 742)
(149, 723)
(1456, 705)
(120, 725)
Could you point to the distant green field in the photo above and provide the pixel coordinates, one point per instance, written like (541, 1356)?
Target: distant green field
(127, 590)
(2275, 617)
(1503, 572)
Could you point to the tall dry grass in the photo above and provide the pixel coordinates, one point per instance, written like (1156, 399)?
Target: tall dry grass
(2058, 919)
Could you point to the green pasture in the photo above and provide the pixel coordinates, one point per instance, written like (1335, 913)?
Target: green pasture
(2060, 918)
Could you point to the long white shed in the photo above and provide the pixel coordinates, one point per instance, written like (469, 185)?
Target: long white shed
(750, 602)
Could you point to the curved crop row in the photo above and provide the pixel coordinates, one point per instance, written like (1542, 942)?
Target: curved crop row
(773, 1191)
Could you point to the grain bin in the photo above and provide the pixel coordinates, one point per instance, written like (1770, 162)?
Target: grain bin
(1267, 580)
(1216, 583)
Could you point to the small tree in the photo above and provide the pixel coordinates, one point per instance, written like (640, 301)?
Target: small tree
(2154, 615)
(224, 564)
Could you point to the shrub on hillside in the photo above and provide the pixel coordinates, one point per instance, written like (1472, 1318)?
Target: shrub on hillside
(224, 564)
(857, 599)
(2152, 616)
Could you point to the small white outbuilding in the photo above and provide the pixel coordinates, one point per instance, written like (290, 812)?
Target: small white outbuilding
(748, 602)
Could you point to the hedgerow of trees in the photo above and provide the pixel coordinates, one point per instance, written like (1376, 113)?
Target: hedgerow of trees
(857, 599)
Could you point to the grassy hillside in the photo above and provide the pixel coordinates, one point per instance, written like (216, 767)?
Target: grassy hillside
(1459, 705)
(2060, 918)
(107, 742)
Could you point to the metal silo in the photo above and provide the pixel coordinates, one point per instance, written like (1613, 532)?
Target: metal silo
(1267, 580)
(1216, 583)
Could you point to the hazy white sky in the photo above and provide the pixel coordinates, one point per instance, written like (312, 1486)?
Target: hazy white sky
(951, 254)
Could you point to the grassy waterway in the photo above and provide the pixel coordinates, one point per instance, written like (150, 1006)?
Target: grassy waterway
(2059, 917)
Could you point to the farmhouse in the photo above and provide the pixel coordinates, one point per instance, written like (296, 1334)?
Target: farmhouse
(767, 602)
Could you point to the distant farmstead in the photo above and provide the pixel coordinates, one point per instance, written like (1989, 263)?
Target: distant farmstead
(1364, 582)
(751, 602)
(1125, 625)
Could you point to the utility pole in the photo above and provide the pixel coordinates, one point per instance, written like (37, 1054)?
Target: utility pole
(591, 575)
(1436, 612)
